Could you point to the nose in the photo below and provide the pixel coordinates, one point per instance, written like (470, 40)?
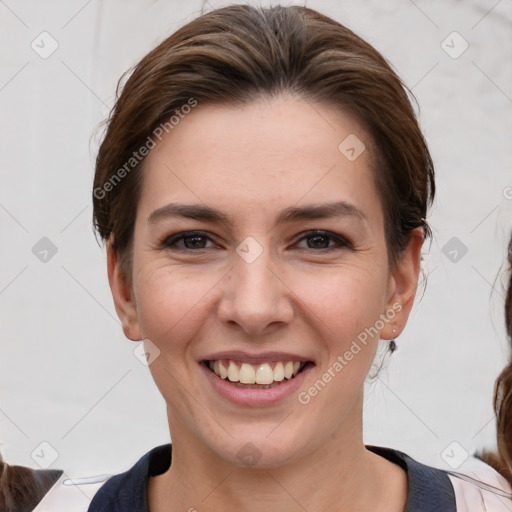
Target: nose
(255, 296)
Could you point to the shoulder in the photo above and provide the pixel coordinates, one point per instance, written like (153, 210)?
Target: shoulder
(119, 493)
(428, 488)
(475, 488)
(479, 487)
(126, 492)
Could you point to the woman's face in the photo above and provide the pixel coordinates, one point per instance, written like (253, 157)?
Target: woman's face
(254, 284)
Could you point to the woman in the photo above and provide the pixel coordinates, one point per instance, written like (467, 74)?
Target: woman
(502, 461)
(262, 188)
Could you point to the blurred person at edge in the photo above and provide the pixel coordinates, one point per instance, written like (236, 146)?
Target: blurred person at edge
(262, 189)
(502, 460)
(22, 488)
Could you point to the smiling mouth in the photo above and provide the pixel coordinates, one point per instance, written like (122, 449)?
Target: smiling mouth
(256, 376)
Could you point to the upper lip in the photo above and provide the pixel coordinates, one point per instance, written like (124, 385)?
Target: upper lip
(263, 357)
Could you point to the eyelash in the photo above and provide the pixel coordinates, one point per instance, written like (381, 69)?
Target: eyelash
(171, 241)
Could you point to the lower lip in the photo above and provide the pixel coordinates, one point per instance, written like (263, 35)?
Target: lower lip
(255, 397)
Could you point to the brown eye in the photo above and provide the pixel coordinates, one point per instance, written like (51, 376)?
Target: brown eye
(192, 240)
(321, 239)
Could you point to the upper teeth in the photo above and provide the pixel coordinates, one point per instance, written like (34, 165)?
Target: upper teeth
(263, 373)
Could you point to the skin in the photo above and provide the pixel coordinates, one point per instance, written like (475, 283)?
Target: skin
(251, 162)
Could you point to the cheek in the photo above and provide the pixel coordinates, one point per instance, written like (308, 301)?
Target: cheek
(170, 303)
(345, 298)
(344, 308)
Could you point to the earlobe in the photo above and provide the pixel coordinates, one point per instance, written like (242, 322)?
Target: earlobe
(122, 295)
(403, 289)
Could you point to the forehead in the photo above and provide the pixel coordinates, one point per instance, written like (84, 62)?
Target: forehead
(269, 152)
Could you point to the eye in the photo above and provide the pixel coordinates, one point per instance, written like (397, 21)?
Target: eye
(320, 240)
(192, 240)
(197, 240)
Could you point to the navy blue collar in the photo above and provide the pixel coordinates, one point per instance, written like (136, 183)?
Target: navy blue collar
(430, 489)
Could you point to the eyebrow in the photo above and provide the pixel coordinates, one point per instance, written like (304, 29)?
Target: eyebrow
(288, 215)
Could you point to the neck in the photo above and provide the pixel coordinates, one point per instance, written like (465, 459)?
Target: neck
(340, 474)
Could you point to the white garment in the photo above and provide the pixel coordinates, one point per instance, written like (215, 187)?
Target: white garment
(478, 489)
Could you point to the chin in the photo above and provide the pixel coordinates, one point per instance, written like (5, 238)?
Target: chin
(258, 452)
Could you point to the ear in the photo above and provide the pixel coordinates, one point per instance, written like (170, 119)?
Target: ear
(123, 297)
(402, 287)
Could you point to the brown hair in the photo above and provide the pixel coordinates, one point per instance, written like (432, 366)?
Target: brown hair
(502, 402)
(234, 54)
(21, 488)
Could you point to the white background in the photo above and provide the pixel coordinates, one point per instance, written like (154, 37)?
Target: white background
(68, 376)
